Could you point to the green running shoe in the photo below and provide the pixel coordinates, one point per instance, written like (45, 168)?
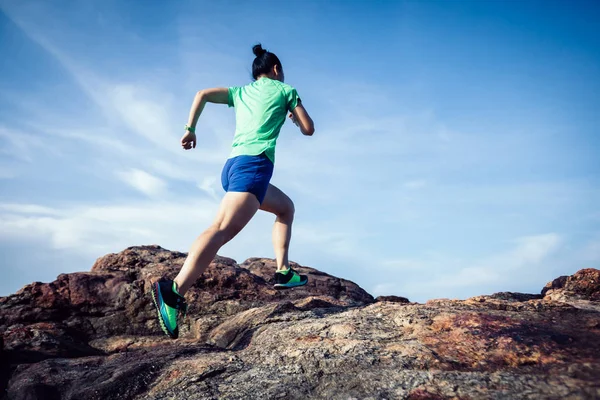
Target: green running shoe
(289, 279)
(168, 304)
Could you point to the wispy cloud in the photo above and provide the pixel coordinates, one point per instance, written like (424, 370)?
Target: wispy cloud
(28, 209)
(143, 181)
(20, 145)
(208, 185)
(532, 250)
(144, 110)
(471, 276)
(95, 230)
(100, 139)
(144, 116)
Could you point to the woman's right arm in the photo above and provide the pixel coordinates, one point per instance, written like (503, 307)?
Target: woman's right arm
(300, 117)
(214, 95)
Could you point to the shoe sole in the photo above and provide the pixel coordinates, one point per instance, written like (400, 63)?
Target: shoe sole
(281, 286)
(160, 319)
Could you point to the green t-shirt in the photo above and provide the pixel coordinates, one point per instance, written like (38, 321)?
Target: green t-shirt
(260, 110)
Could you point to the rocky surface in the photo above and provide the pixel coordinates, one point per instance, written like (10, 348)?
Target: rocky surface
(94, 335)
(584, 285)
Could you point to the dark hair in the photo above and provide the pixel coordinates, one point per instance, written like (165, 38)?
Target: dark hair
(264, 61)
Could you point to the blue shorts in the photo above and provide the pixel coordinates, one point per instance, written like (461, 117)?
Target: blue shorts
(249, 174)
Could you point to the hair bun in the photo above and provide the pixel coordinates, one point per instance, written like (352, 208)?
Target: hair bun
(258, 50)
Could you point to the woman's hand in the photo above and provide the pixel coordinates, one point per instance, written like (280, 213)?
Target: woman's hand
(188, 141)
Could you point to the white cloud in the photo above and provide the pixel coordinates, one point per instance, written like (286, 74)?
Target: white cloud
(532, 250)
(20, 145)
(170, 169)
(147, 118)
(144, 109)
(28, 209)
(209, 185)
(529, 252)
(439, 274)
(143, 181)
(98, 138)
(96, 230)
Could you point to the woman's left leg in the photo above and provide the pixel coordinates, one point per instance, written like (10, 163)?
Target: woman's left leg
(279, 204)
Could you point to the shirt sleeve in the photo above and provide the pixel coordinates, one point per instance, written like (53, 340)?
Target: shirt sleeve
(292, 99)
(232, 94)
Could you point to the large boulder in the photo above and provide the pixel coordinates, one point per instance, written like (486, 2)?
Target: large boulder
(94, 335)
(62, 318)
(583, 285)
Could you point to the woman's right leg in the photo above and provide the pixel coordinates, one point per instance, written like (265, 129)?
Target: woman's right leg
(281, 205)
(236, 210)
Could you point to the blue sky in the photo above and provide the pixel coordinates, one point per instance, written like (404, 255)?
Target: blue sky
(456, 150)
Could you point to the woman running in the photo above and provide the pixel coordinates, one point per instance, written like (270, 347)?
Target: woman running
(260, 111)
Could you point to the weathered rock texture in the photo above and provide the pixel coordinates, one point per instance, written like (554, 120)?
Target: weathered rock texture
(95, 336)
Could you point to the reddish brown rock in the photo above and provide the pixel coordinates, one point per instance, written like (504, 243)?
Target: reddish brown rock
(111, 300)
(94, 335)
(583, 285)
(41, 340)
(515, 297)
(393, 299)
